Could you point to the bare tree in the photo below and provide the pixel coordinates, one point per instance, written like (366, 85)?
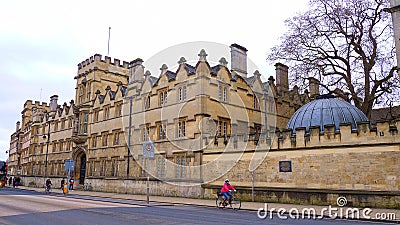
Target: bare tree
(348, 45)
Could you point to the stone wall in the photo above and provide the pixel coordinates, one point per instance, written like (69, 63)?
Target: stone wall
(341, 168)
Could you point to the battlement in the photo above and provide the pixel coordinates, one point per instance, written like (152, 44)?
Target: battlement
(383, 132)
(97, 58)
(37, 104)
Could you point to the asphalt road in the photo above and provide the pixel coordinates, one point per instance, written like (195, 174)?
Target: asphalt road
(28, 207)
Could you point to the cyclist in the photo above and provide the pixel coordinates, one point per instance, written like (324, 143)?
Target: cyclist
(48, 184)
(225, 190)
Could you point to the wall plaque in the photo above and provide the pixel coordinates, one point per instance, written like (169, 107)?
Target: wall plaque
(285, 166)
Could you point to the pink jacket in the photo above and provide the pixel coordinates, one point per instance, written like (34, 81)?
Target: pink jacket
(227, 187)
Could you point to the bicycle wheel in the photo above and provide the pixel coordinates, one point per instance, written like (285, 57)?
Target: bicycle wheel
(236, 204)
(218, 202)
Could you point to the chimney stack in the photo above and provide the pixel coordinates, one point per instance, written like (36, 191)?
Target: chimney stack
(136, 70)
(314, 87)
(17, 126)
(239, 59)
(282, 80)
(53, 103)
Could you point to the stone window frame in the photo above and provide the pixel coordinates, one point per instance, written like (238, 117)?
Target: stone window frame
(256, 102)
(106, 112)
(181, 128)
(146, 132)
(104, 139)
(161, 130)
(182, 93)
(118, 109)
(223, 95)
(181, 163)
(96, 113)
(162, 96)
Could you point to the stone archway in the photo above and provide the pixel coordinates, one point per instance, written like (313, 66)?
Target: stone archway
(79, 157)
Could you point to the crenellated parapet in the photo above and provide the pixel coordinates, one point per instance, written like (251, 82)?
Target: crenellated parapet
(365, 134)
(106, 64)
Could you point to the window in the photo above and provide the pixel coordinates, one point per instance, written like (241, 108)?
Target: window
(147, 102)
(96, 115)
(182, 94)
(94, 142)
(146, 131)
(70, 123)
(68, 145)
(180, 166)
(115, 167)
(62, 124)
(181, 128)
(257, 132)
(256, 102)
(163, 95)
(161, 166)
(81, 91)
(223, 126)
(116, 138)
(220, 93)
(105, 137)
(162, 131)
(88, 89)
(224, 97)
(106, 113)
(85, 123)
(56, 126)
(118, 109)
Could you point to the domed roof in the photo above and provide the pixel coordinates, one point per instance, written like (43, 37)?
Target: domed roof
(326, 110)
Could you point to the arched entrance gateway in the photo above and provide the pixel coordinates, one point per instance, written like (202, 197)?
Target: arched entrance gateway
(80, 165)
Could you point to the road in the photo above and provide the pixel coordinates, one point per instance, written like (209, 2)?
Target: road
(29, 207)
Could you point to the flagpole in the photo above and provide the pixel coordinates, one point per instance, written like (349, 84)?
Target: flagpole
(108, 47)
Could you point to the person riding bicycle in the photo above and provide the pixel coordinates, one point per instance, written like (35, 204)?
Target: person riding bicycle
(48, 184)
(225, 190)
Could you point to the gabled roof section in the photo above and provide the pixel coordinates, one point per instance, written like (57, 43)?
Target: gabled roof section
(214, 70)
(153, 80)
(250, 80)
(190, 69)
(171, 75)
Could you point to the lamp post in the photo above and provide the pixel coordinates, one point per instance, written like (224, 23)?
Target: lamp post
(53, 107)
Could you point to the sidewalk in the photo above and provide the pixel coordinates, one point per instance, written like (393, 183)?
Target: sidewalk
(385, 215)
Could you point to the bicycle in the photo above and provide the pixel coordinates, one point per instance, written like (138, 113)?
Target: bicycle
(47, 189)
(88, 187)
(235, 202)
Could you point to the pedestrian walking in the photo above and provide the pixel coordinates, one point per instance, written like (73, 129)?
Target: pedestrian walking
(10, 180)
(62, 183)
(14, 181)
(71, 183)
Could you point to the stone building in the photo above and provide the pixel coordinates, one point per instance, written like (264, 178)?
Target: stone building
(205, 123)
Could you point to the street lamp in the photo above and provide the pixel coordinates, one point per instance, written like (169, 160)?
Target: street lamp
(53, 107)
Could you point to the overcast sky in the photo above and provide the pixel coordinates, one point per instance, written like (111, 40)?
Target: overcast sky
(41, 42)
